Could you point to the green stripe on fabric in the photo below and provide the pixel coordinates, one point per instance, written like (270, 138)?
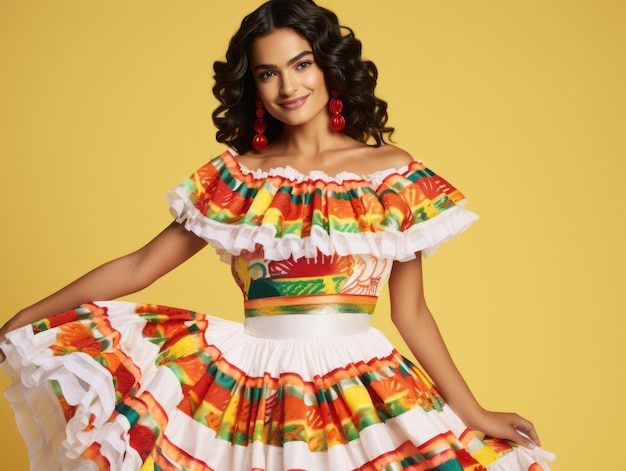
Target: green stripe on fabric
(131, 414)
(338, 308)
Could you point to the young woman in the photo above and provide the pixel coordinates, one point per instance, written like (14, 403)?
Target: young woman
(315, 212)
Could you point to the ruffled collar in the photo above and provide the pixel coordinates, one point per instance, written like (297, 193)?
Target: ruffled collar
(289, 173)
(393, 213)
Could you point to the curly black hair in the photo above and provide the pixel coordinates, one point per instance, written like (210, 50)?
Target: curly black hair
(336, 51)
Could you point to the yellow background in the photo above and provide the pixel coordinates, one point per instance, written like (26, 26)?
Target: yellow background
(106, 105)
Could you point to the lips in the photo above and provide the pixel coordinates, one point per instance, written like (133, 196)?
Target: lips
(294, 103)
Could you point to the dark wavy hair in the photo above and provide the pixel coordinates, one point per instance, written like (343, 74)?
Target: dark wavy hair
(336, 51)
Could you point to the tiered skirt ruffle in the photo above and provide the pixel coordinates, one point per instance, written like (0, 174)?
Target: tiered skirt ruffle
(121, 386)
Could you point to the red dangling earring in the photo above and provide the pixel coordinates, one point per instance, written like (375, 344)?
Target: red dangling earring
(337, 121)
(259, 141)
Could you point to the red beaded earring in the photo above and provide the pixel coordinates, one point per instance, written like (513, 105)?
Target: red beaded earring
(259, 141)
(337, 121)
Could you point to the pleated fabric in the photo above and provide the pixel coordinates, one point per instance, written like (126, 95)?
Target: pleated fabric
(392, 213)
(303, 384)
(120, 386)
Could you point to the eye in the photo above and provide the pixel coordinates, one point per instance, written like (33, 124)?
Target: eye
(304, 65)
(268, 74)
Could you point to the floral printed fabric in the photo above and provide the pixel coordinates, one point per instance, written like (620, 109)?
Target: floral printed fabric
(124, 386)
(393, 214)
(327, 283)
(366, 408)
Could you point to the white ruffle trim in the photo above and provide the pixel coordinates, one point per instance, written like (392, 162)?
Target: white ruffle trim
(293, 175)
(55, 445)
(232, 239)
(522, 459)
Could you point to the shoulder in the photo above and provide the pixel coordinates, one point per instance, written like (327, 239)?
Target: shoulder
(394, 156)
(251, 161)
(358, 159)
(385, 157)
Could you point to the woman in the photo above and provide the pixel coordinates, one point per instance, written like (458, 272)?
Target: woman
(314, 211)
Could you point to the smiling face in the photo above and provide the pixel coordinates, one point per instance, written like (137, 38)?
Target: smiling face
(288, 81)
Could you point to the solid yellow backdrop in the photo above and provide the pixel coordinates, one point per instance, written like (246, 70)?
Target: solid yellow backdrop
(106, 105)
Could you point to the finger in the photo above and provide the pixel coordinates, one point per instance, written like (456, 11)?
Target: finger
(518, 437)
(526, 430)
(532, 434)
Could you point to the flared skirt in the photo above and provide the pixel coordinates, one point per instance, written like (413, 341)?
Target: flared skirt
(123, 386)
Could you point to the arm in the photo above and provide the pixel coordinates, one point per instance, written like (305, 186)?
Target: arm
(415, 323)
(118, 277)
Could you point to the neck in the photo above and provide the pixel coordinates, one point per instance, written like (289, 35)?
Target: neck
(308, 141)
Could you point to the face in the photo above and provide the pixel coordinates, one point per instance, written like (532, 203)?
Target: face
(287, 78)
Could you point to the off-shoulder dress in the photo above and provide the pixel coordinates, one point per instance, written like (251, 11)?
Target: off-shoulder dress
(304, 383)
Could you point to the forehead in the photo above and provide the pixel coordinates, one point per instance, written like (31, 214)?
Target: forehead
(278, 47)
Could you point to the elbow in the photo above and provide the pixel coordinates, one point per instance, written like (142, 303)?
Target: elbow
(408, 316)
(138, 283)
(399, 317)
(395, 317)
(138, 276)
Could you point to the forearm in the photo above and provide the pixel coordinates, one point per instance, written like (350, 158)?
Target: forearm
(111, 280)
(419, 330)
(415, 323)
(117, 278)
(421, 334)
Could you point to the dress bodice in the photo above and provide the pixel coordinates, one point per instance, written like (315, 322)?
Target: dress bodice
(316, 244)
(325, 284)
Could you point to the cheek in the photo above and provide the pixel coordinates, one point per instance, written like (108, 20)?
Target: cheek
(264, 92)
(318, 81)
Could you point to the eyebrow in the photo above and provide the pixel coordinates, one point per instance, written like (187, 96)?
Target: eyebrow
(289, 62)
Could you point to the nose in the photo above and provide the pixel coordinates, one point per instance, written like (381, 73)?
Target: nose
(288, 85)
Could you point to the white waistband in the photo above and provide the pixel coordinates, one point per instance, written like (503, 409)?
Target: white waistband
(301, 326)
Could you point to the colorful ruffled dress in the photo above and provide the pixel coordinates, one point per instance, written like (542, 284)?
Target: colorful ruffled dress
(303, 384)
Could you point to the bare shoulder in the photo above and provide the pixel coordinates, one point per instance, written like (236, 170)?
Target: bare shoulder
(394, 156)
(360, 159)
(385, 157)
(251, 161)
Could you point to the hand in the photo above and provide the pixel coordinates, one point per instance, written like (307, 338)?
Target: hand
(12, 324)
(3, 330)
(509, 426)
